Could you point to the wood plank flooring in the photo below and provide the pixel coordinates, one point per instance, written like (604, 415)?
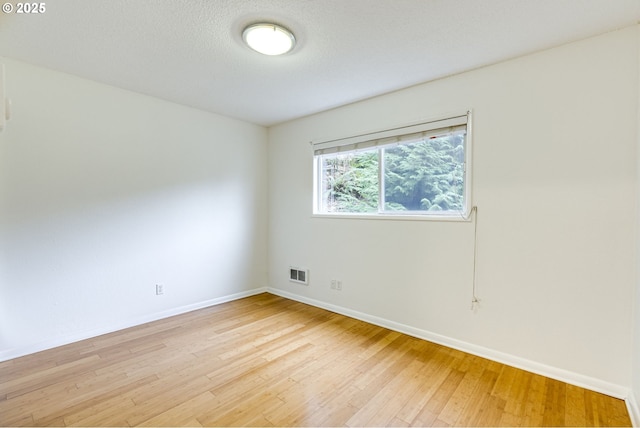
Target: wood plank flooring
(266, 360)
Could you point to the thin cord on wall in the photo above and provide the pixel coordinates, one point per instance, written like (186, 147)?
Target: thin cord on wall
(474, 299)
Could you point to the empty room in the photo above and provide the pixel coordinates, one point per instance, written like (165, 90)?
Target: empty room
(320, 213)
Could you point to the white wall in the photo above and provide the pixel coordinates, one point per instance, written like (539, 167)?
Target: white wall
(634, 399)
(104, 193)
(555, 185)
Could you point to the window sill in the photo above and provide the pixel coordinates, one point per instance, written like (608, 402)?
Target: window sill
(401, 217)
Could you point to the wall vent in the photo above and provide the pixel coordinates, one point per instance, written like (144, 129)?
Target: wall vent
(301, 276)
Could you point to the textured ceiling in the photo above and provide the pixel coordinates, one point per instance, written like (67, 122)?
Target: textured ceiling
(191, 52)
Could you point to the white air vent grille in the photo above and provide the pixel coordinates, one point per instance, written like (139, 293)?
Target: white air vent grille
(301, 276)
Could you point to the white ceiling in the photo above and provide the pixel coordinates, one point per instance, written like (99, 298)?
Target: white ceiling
(191, 52)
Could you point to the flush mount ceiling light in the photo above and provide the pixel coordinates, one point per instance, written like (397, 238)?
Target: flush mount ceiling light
(269, 39)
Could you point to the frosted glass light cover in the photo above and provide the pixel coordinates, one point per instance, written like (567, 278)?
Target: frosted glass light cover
(268, 39)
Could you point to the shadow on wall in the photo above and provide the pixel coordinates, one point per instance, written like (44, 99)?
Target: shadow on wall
(101, 263)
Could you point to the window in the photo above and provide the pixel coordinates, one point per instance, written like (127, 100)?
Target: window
(418, 170)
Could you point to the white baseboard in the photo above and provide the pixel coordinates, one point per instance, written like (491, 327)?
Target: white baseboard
(633, 406)
(577, 379)
(76, 337)
(569, 377)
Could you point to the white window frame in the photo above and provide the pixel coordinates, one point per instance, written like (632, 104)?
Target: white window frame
(381, 138)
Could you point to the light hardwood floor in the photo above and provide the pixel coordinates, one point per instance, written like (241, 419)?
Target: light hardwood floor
(265, 360)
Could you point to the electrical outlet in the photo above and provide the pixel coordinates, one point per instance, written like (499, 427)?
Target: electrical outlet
(333, 284)
(339, 285)
(159, 289)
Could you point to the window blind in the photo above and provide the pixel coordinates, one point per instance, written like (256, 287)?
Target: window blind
(399, 135)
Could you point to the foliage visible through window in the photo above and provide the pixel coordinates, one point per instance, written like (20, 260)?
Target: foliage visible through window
(422, 176)
(350, 182)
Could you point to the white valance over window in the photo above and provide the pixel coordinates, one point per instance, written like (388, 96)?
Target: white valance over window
(403, 134)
